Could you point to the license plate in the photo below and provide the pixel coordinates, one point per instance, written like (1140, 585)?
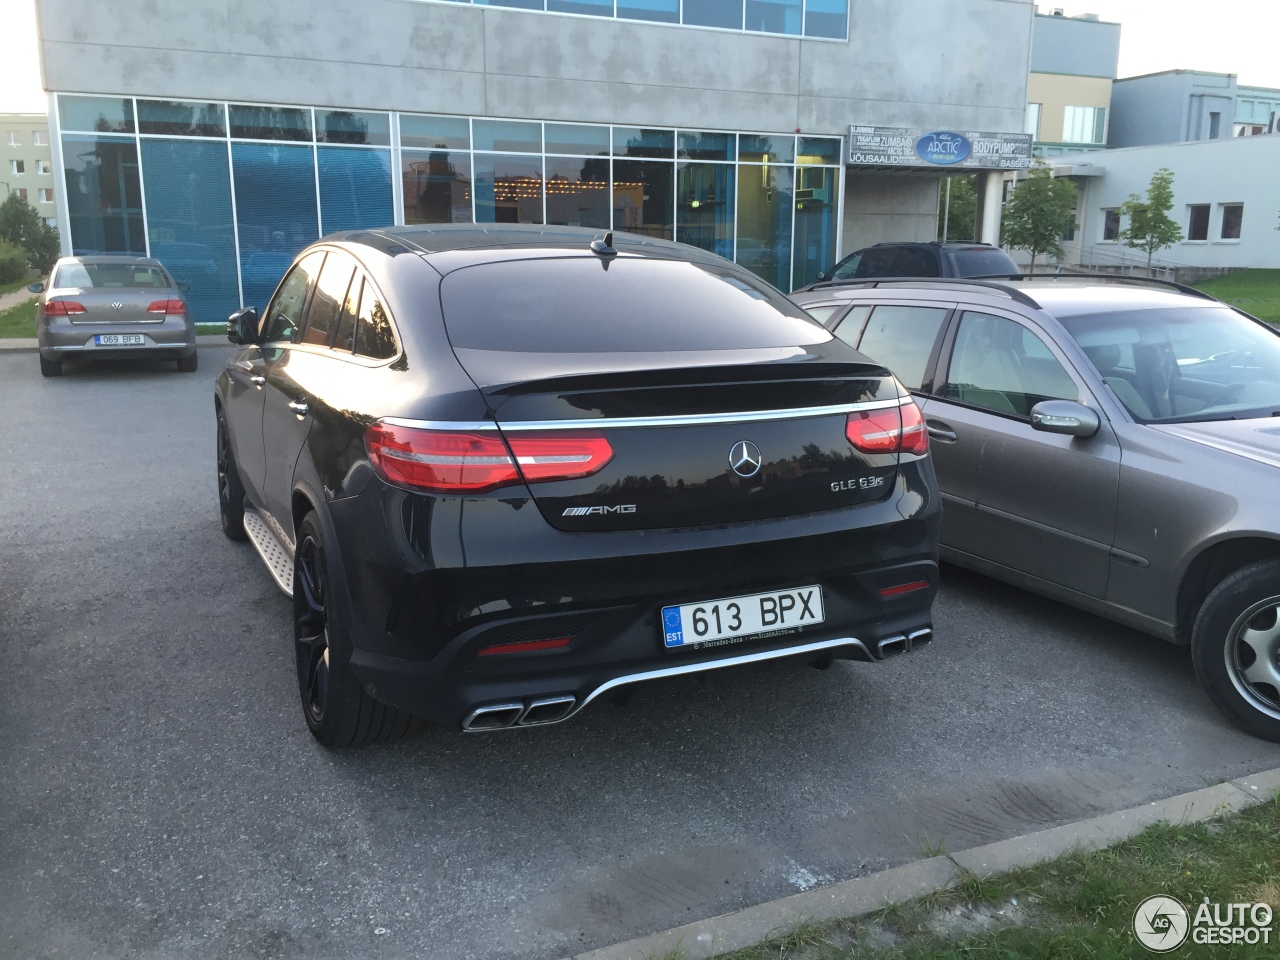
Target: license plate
(736, 618)
(119, 339)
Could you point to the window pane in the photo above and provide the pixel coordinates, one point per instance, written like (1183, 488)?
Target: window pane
(642, 197)
(1232, 219)
(443, 133)
(104, 196)
(577, 139)
(347, 126)
(1198, 222)
(826, 18)
(510, 135)
(331, 292)
(824, 312)
(270, 123)
(275, 211)
(764, 223)
(850, 328)
(437, 186)
(705, 206)
(374, 338)
(517, 4)
(588, 8)
(902, 338)
(760, 149)
(578, 192)
(707, 146)
(189, 216)
(815, 239)
(1110, 224)
(182, 118)
(96, 114)
(284, 314)
(1002, 366)
(634, 142)
(1033, 120)
(774, 16)
(508, 189)
(355, 188)
(713, 13)
(820, 150)
(346, 337)
(657, 11)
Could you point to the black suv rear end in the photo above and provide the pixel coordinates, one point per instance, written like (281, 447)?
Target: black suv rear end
(935, 259)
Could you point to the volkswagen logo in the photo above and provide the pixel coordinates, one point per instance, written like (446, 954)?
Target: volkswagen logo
(744, 458)
(117, 305)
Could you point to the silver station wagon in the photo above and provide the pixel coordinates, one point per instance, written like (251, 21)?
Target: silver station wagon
(104, 306)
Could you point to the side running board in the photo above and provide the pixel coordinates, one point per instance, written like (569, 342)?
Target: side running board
(274, 553)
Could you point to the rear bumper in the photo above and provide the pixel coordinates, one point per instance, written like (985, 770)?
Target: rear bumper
(170, 339)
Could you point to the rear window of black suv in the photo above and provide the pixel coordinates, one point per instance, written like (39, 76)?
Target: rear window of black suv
(622, 305)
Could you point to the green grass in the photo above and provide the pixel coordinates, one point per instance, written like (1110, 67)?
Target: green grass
(19, 321)
(1253, 291)
(1079, 907)
(207, 329)
(14, 285)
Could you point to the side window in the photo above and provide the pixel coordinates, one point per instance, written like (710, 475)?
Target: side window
(1004, 367)
(331, 292)
(284, 315)
(847, 269)
(875, 263)
(823, 312)
(850, 329)
(346, 339)
(374, 338)
(902, 338)
(914, 262)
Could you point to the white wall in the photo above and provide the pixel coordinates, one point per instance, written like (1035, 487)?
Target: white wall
(884, 207)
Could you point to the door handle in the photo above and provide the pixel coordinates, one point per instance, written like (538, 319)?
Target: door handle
(258, 381)
(940, 431)
(299, 407)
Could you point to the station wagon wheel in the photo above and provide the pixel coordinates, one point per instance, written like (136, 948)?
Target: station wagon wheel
(230, 490)
(1235, 645)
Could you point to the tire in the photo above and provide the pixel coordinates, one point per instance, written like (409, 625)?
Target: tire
(337, 709)
(1235, 646)
(230, 489)
(189, 364)
(50, 368)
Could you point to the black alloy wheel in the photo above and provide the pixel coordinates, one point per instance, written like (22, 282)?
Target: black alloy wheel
(230, 490)
(311, 631)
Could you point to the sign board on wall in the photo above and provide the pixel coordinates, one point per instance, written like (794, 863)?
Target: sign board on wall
(912, 147)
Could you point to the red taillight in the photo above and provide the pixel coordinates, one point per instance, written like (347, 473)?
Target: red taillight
(892, 430)
(443, 461)
(525, 646)
(902, 588)
(63, 308)
(171, 307)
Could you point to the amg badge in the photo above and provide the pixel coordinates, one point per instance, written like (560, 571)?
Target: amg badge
(862, 483)
(596, 511)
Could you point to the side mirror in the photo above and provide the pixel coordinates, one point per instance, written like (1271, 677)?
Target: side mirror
(36, 287)
(184, 287)
(821, 275)
(242, 326)
(1065, 417)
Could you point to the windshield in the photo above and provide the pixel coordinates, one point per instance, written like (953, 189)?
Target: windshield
(89, 275)
(1185, 364)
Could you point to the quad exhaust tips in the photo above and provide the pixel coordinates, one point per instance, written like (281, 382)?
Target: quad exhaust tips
(517, 713)
(891, 647)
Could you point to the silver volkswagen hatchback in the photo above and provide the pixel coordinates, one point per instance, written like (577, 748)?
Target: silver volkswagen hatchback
(117, 306)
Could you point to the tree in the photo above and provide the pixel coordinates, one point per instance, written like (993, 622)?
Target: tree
(1040, 211)
(961, 222)
(1150, 227)
(22, 226)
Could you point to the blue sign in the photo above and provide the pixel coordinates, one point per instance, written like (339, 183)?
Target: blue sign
(943, 147)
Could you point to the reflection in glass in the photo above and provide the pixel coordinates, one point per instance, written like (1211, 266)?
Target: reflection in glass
(355, 127)
(104, 195)
(819, 150)
(587, 8)
(515, 136)
(374, 338)
(705, 206)
(764, 222)
(435, 133)
(714, 13)
(758, 148)
(656, 11)
(182, 118)
(190, 222)
(774, 16)
(355, 188)
(707, 146)
(577, 139)
(826, 18)
(275, 189)
(578, 192)
(270, 123)
(642, 197)
(96, 114)
(516, 4)
(508, 189)
(634, 142)
(437, 186)
(815, 239)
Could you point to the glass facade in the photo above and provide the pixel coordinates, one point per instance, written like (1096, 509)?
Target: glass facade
(227, 194)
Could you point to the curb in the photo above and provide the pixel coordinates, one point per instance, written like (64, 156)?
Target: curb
(736, 931)
(30, 343)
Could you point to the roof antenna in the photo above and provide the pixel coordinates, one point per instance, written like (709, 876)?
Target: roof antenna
(604, 247)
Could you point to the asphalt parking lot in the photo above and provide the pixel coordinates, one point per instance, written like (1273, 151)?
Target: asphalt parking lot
(160, 795)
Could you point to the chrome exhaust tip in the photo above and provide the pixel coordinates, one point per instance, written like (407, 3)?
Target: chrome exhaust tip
(891, 647)
(496, 716)
(547, 710)
(920, 638)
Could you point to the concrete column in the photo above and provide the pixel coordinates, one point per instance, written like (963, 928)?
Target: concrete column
(990, 192)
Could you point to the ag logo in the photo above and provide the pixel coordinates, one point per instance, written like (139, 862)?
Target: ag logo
(1161, 924)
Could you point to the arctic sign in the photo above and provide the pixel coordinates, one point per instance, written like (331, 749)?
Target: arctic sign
(906, 147)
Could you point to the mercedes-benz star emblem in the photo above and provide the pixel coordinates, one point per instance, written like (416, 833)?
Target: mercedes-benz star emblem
(117, 305)
(744, 458)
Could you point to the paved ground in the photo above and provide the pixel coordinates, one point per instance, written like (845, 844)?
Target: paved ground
(160, 795)
(15, 297)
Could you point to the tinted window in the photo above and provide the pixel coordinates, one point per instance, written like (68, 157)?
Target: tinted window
(346, 338)
(374, 337)
(824, 312)
(1002, 366)
(847, 267)
(88, 275)
(983, 262)
(574, 305)
(285, 312)
(331, 292)
(850, 328)
(902, 338)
